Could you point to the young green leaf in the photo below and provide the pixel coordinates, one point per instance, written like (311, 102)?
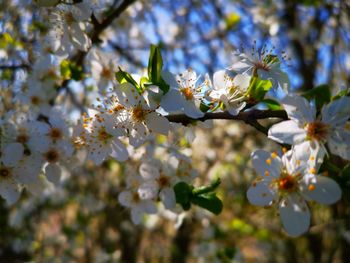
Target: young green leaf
(209, 202)
(321, 94)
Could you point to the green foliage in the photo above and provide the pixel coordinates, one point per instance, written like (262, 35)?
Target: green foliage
(343, 93)
(258, 88)
(321, 94)
(125, 77)
(155, 65)
(202, 196)
(70, 70)
(272, 104)
(232, 19)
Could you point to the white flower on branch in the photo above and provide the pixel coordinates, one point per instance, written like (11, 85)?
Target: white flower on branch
(184, 93)
(263, 64)
(230, 90)
(286, 182)
(329, 128)
(68, 27)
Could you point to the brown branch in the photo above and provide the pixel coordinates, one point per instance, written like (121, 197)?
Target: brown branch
(249, 116)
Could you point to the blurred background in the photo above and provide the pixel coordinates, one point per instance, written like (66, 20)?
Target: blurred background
(81, 221)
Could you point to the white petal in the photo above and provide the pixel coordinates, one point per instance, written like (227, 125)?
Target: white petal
(191, 110)
(295, 215)
(9, 191)
(299, 109)
(149, 170)
(53, 173)
(124, 198)
(79, 39)
(148, 190)
(326, 191)
(12, 153)
(172, 101)
(242, 81)
(169, 78)
(157, 123)
(337, 112)
(136, 215)
(287, 132)
(119, 151)
(260, 194)
(167, 195)
(263, 161)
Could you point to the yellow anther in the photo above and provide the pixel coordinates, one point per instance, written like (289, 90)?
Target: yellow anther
(312, 158)
(274, 155)
(266, 173)
(312, 187)
(268, 161)
(298, 162)
(284, 149)
(312, 170)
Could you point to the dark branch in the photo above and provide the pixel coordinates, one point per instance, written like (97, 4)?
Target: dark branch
(247, 116)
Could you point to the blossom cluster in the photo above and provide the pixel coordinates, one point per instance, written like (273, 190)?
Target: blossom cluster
(132, 111)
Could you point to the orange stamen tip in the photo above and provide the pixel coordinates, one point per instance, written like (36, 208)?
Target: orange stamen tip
(274, 155)
(268, 161)
(312, 170)
(267, 173)
(312, 187)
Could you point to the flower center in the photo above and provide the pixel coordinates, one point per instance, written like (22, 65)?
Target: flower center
(187, 92)
(55, 133)
(107, 73)
(138, 114)
(103, 135)
(261, 65)
(163, 181)
(135, 197)
(317, 131)
(287, 183)
(4, 172)
(52, 156)
(22, 138)
(35, 100)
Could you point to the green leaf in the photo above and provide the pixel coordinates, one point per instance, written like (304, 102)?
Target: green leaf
(209, 202)
(125, 77)
(258, 88)
(232, 19)
(321, 94)
(272, 104)
(203, 107)
(342, 93)
(155, 65)
(207, 189)
(183, 193)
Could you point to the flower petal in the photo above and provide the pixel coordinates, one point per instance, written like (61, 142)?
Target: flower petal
(263, 161)
(324, 190)
(260, 194)
(287, 132)
(294, 214)
(53, 173)
(299, 109)
(12, 153)
(157, 123)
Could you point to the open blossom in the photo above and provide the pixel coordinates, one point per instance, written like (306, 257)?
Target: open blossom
(68, 27)
(160, 179)
(231, 90)
(103, 67)
(287, 182)
(305, 127)
(184, 93)
(16, 170)
(264, 64)
(102, 138)
(139, 115)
